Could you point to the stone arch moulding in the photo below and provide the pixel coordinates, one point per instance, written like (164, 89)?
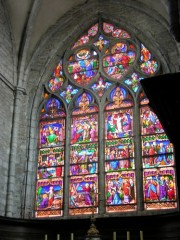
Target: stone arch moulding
(35, 109)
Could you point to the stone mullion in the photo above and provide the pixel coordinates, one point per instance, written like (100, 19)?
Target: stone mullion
(101, 165)
(138, 159)
(67, 164)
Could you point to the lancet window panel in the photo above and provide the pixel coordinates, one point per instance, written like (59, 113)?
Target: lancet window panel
(158, 163)
(50, 173)
(119, 152)
(83, 189)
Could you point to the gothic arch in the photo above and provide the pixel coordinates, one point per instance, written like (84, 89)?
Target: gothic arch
(54, 43)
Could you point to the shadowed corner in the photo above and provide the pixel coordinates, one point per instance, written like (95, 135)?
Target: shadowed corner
(163, 94)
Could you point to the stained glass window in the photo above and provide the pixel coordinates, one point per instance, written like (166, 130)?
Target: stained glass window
(101, 148)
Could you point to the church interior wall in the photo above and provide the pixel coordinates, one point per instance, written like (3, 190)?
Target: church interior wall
(151, 29)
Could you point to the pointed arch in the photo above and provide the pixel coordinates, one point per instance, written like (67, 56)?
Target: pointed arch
(93, 119)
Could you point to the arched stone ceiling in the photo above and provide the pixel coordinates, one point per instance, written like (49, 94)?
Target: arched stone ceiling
(50, 11)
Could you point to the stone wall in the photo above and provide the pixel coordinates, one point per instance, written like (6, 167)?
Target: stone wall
(6, 104)
(6, 47)
(20, 148)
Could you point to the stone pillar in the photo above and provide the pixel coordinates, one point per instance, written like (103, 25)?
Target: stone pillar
(13, 152)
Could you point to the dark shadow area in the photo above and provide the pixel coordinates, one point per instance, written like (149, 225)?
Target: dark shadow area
(164, 99)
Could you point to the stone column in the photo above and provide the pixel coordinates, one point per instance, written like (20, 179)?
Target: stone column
(13, 152)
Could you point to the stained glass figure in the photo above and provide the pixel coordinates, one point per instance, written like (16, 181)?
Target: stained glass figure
(84, 153)
(56, 83)
(100, 86)
(119, 61)
(159, 188)
(117, 96)
(84, 67)
(150, 123)
(120, 98)
(53, 108)
(107, 27)
(120, 191)
(118, 124)
(119, 149)
(148, 65)
(84, 129)
(49, 157)
(93, 30)
(52, 133)
(157, 151)
(119, 47)
(69, 93)
(52, 105)
(101, 43)
(120, 33)
(83, 158)
(133, 82)
(119, 165)
(85, 38)
(84, 104)
(58, 71)
(84, 100)
(116, 32)
(44, 173)
(57, 79)
(49, 197)
(85, 168)
(82, 55)
(83, 194)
